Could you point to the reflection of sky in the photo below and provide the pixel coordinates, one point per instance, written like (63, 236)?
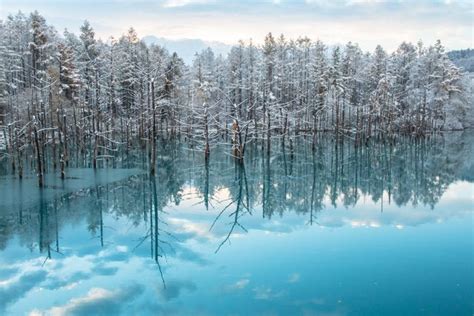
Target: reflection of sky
(358, 260)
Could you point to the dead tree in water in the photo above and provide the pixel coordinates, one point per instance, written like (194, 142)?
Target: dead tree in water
(206, 133)
(236, 140)
(96, 139)
(280, 85)
(64, 157)
(62, 135)
(153, 133)
(39, 166)
(19, 155)
(238, 145)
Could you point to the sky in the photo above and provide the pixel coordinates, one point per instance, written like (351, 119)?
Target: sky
(367, 22)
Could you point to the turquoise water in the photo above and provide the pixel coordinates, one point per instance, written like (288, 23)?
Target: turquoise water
(377, 230)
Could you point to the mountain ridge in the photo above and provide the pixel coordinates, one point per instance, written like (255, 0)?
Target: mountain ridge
(187, 47)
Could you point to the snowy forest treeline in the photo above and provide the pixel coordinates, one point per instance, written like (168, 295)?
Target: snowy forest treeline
(65, 92)
(463, 58)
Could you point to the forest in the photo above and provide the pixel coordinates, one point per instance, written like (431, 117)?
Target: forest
(66, 95)
(463, 58)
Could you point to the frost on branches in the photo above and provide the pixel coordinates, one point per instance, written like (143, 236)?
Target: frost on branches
(83, 95)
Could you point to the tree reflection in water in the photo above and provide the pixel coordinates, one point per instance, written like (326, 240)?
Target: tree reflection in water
(290, 179)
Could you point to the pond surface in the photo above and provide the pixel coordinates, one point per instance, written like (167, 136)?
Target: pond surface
(377, 230)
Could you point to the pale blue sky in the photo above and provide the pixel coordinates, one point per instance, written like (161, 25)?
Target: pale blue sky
(368, 22)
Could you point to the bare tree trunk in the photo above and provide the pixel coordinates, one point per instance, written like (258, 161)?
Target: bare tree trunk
(268, 132)
(153, 134)
(206, 136)
(19, 156)
(314, 133)
(237, 149)
(39, 166)
(96, 139)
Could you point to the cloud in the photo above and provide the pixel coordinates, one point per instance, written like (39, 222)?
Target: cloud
(7, 272)
(294, 278)
(182, 3)
(174, 288)
(456, 203)
(368, 22)
(111, 255)
(104, 270)
(239, 285)
(361, 2)
(97, 301)
(55, 283)
(68, 272)
(335, 4)
(186, 254)
(267, 293)
(199, 231)
(13, 290)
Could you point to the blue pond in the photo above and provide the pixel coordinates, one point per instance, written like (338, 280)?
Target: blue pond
(377, 230)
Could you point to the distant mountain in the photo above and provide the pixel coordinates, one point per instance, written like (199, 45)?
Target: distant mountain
(186, 48)
(463, 58)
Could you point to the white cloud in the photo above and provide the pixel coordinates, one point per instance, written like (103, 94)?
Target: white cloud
(294, 278)
(241, 284)
(367, 22)
(93, 296)
(182, 3)
(200, 230)
(96, 301)
(267, 293)
(16, 288)
(350, 2)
